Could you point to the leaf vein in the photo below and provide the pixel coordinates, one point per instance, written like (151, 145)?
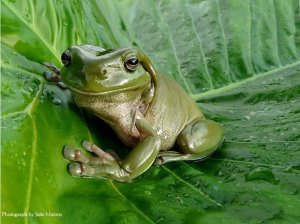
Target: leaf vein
(213, 92)
(54, 20)
(130, 203)
(174, 49)
(273, 142)
(28, 108)
(253, 163)
(192, 186)
(225, 42)
(18, 15)
(276, 27)
(207, 74)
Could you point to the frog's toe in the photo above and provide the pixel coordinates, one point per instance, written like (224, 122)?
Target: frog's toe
(68, 152)
(74, 154)
(158, 161)
(75, 169)
(99, 170)
(51, 77)
(95, 149)
(52, 67)
(113, 154)
(80, 169)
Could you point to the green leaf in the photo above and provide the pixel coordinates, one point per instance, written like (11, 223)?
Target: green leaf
(238, 59)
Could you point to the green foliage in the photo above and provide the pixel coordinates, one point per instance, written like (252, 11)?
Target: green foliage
(238, 59)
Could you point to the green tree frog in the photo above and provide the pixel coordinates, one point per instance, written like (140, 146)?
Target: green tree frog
(149, 112)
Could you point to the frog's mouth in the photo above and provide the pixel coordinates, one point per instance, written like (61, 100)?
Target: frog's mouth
(106, 92)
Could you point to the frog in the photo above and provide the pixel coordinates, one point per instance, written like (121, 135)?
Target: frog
(149, 112)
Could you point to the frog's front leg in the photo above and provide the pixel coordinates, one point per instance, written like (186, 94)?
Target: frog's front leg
(53, 76)
(105, 165)
(82, 165)
(197, 141)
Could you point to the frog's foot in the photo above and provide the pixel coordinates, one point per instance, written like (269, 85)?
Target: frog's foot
(53, 76)
(52, 67)
(102, 166)
(197, 141)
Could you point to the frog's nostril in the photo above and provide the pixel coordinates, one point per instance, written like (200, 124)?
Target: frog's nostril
(66, 58)
(104, 71)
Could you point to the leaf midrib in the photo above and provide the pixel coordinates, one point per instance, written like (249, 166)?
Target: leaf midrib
(33, 151)
(218, 91)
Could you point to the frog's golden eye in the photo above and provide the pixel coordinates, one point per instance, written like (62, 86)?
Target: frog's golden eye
(132, 63)
(66, 58)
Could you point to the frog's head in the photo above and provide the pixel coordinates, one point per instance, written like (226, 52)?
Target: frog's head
(91, 69)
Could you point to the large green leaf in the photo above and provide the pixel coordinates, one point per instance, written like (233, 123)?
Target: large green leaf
(238, 59)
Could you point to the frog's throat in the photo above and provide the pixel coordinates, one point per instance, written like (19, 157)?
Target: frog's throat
(75, 90)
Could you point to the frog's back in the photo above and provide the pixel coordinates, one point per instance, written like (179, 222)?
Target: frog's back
(170, 110)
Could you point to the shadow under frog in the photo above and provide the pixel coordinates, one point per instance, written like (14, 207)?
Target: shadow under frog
(149, 112)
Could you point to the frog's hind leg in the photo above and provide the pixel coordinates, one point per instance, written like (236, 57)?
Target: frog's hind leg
(172, 156)
(197, 141)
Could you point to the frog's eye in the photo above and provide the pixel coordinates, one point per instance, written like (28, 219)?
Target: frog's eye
(132, 63)
(66, 58)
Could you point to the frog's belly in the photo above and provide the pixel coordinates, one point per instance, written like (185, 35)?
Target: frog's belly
(168, 133)
(129, 138)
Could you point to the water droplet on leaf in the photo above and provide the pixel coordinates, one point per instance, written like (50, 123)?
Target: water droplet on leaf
(56, 101)
(261, 173)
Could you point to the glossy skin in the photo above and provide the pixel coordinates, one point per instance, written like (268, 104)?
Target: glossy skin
(148, 111)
